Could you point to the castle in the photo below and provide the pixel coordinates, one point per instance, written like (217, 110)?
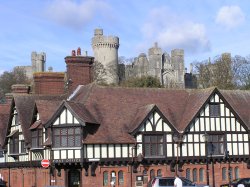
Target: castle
(38, 64)
(106, 52)
(169, 69)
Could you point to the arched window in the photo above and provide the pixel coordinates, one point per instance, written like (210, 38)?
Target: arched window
(236, 172)
(152, 173)
(145, 172)
(159, 174)
(224, 173)
(113, 177)
(105, 178)
(194, 175)
(201, 175)
(188, 174)
(120, 178)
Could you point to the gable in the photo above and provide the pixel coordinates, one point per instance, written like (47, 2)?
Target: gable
(65, 117)
(216, 115)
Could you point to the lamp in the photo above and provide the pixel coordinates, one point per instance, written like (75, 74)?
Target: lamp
(206, 138)
(178, 138)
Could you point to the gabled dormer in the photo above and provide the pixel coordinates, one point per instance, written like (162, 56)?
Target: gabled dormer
(224, 128)
(153, 133)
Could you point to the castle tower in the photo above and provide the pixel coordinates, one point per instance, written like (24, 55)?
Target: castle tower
(155, 61)
(38, 61)
(106, 52)
(177, 60)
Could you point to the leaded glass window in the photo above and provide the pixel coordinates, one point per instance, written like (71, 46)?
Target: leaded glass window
(214, 110)
(224, 174)
(120, 178)
(201, 175)
(14, 144)
(194, 175)
(105, 178)
(188, 176)
(216, 144)
(37, 138)
(67, 137)
(236, 172)
(153, 145)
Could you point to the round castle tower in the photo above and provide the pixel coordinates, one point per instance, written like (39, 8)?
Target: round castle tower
(106, 52)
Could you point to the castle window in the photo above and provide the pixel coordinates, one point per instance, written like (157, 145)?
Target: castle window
(37, 138)
(67, 137)
(214, 110)
(153, 145)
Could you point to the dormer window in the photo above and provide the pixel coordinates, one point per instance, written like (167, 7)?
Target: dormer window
(37, 138)
(67, 137)
(13, 142)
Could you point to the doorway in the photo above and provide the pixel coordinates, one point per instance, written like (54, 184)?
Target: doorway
(74, 178)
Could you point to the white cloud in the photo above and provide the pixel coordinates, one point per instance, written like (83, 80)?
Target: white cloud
(75, 14)
(230, 16)
(172, 31)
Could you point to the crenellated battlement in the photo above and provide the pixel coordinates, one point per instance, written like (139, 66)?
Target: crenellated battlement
(105, 41)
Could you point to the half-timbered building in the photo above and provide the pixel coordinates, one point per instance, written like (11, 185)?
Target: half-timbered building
(103, 136)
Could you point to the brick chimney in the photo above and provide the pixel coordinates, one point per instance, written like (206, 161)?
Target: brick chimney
(20, 89)
(49, 83)
(79, 69)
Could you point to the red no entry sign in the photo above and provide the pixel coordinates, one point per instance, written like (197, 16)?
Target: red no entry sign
(45, 163)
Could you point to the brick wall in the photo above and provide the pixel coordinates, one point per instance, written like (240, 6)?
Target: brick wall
(51, 83)
(79, 71)
(40, 177)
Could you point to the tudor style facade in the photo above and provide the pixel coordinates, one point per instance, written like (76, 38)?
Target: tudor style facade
(125, 136)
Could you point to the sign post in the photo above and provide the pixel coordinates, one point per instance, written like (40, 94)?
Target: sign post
(45, 163)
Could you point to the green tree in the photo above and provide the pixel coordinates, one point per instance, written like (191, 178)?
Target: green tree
(145, 81)
(9, 78)
(224, 72)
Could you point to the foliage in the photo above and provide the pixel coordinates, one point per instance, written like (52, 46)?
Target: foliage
(224, 72)
(9, 78)
(145, 81)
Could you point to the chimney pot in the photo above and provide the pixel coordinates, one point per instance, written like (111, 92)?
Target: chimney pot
(79, 51)
(73, 53)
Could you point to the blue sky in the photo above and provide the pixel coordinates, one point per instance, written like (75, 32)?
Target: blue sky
(203, 28)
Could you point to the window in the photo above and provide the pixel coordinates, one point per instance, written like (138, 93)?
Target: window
(23, 149)
(188, 176)
(216, 144)
(159, 174)
(105, 178)
(152, 173)
(194, 175)
(236, 172)
(214, 110)
(37, 138)
(67, 137)
(14, 144)
(113, 177)
(153, 145)
(201, 174)
(224, 174)
(120, 178)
